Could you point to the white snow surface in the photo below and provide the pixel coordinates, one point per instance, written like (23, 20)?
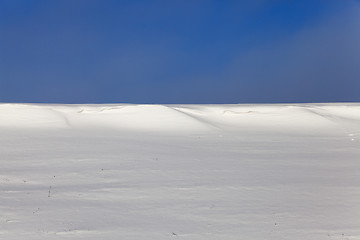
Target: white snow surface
(199, 172)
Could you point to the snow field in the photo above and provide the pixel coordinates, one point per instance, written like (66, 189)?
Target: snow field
(125, 171)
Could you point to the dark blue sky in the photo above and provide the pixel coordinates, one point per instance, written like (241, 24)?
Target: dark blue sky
(101, 51)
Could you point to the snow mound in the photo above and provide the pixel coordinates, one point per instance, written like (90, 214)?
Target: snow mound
(179, 118)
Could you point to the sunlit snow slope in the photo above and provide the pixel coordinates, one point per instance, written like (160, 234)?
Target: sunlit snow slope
(125, 171)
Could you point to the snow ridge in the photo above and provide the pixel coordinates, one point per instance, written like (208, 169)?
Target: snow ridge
(178, 117)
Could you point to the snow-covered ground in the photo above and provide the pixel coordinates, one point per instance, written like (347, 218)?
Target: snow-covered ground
(199, 172)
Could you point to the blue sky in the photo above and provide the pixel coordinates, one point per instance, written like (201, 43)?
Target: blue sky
(112, 51)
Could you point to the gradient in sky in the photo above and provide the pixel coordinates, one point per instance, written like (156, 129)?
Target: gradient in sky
(102, 51)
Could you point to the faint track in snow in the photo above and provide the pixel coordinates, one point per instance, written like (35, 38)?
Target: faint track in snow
(331, 117)
(100, 110)
(61, 115)
(234, 112)
(200, 120)
(338, 120)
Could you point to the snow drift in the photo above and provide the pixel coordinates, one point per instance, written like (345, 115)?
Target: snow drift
(175, 118)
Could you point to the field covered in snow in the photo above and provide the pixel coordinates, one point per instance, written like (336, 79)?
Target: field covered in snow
(199, 172)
